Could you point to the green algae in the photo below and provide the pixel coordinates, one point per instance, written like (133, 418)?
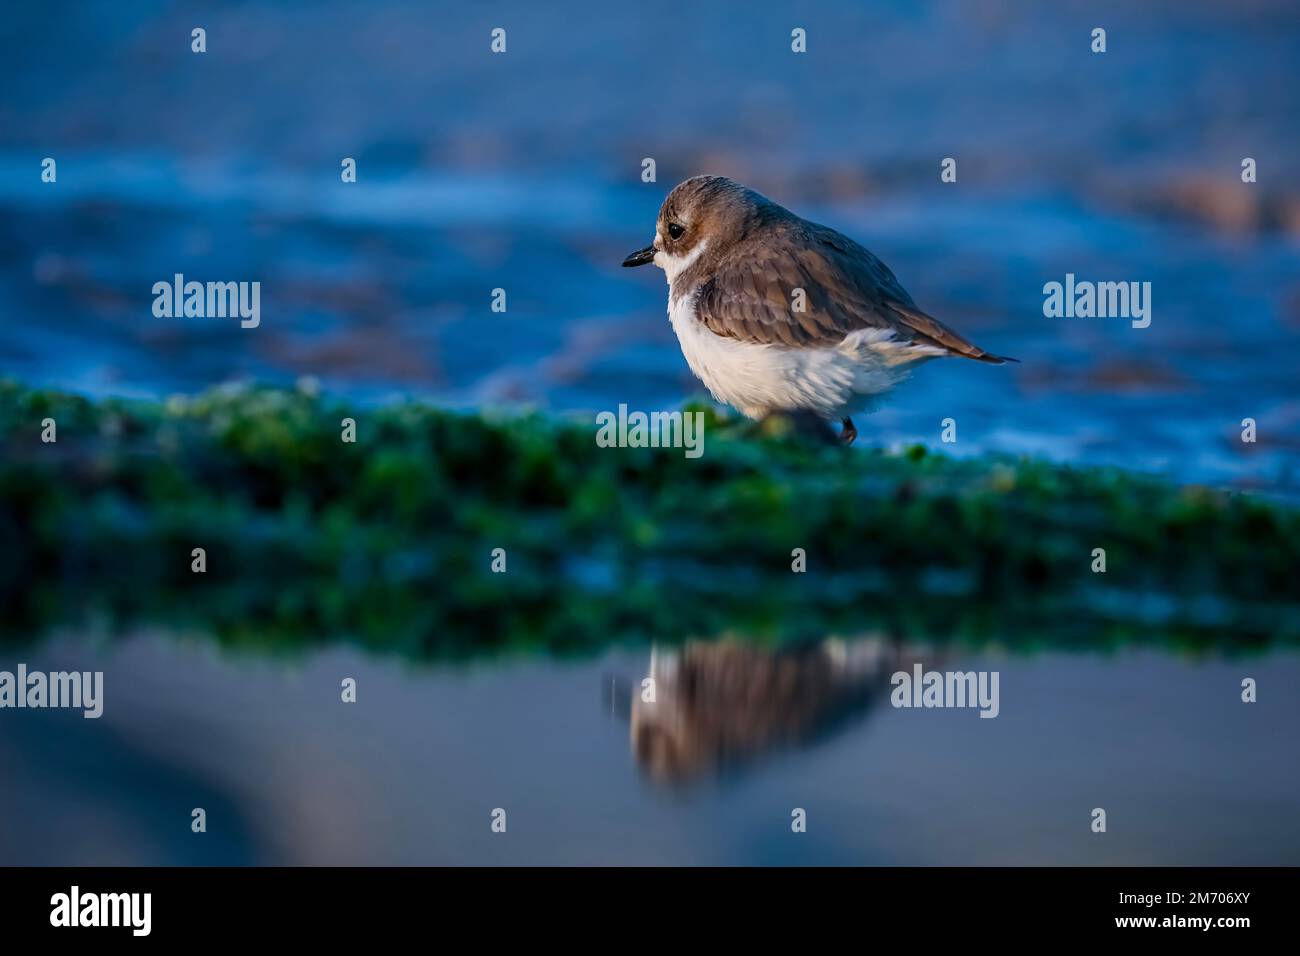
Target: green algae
(388, 541)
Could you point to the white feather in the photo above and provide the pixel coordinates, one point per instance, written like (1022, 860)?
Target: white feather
(833, 381)
(674, 266)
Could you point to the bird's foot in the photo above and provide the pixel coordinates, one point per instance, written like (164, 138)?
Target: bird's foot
(798, 423)
(808, 424)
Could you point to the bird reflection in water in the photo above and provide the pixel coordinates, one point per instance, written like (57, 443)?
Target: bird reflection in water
(721, 705)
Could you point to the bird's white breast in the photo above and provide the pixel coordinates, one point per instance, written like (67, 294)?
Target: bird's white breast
(757, 379)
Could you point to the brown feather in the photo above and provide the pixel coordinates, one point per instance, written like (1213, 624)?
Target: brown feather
(750, 294)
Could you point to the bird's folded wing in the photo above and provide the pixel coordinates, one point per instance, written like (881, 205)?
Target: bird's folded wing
(814, 287)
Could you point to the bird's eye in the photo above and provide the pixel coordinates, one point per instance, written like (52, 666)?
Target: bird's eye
(675, 230)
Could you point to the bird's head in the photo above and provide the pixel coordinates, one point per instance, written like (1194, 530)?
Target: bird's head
(704, 212)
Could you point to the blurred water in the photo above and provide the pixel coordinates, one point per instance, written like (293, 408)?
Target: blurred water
(521, 171)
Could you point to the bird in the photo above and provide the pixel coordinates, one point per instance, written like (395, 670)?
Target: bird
(779, 315)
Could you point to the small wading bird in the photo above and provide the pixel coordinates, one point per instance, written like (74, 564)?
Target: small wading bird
(776, 314)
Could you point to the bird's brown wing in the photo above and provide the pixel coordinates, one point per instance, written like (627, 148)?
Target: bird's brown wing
(752, 295)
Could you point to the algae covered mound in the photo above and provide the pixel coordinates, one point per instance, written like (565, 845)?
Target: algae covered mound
(390, 539)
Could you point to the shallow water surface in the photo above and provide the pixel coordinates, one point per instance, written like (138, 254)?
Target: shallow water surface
(709, 774)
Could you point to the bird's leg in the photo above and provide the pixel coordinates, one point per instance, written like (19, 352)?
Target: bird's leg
(812, 425)
(849, 432)
(801, 422)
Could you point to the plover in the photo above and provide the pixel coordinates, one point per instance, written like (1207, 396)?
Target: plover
(778, 314)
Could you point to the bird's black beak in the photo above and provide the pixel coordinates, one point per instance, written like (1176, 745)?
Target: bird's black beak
(641, 257)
